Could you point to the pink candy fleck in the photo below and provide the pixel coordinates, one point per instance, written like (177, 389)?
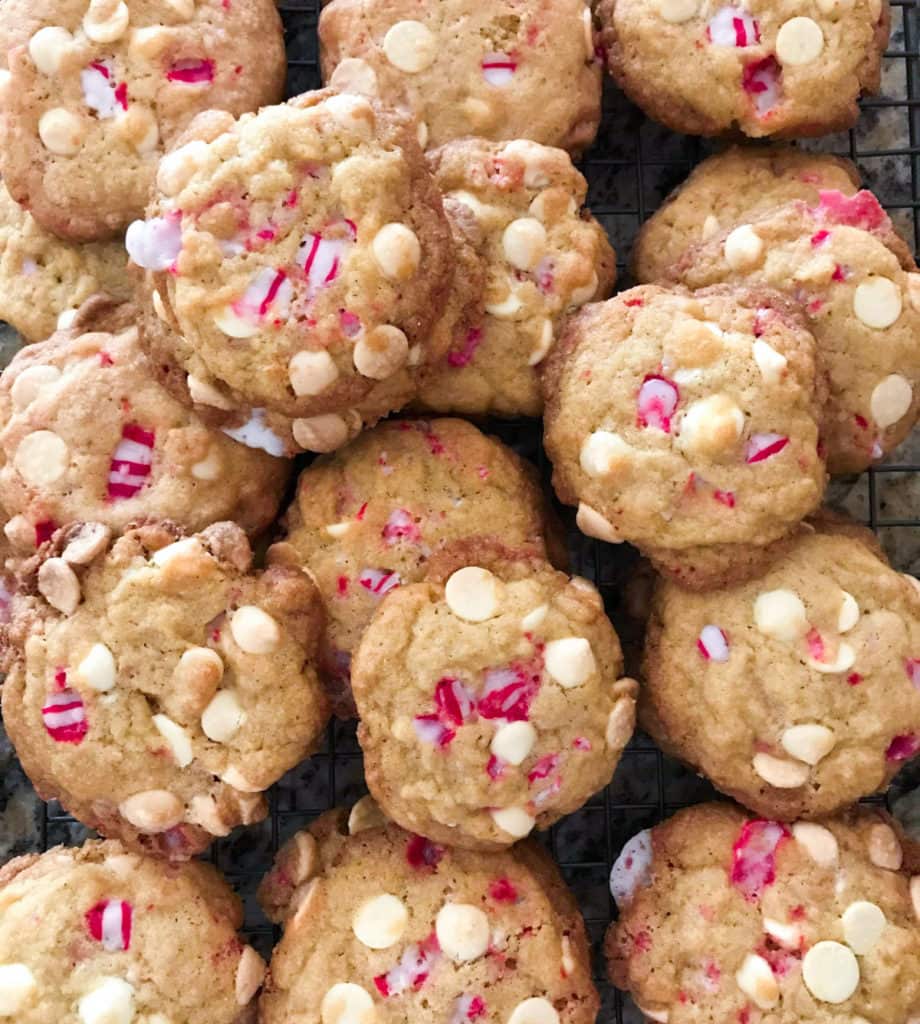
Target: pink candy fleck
(543, 768)
(861, 210)
(754, 857)
(903, 747)
(495, 767)
(350, 323)
(191, 71)
(502, 890)
(379, 581)
(912, 668)
(462, 357)
(726, 498)
(131, 462)
(109, 922)
(581, 743)
(44, 531)
(764, 446)
(820, 237)
(413, 969)
(712, 643)
(498, 68)
(761, 79)
(401, 526)
(64, 716)
(422, 853)
(816, 646)
(656, 402)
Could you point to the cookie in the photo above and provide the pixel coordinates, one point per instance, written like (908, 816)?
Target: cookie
(385, 926)
(687, 425)
(726, 918)
(43, 280)
(736, 185)
(489, 698)
(96, 92)
(114, 938)
(520, 207)
(508, 69)
(299, 258)
(158, 686)
(764, 67)
(853, 277)
(370, 517)
(87, 432)
(796, 693)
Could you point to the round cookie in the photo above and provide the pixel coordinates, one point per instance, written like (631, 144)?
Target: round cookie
(736, 185)
(158, 686)
(87, 432)
(115, 938)
(96, 91)
(508, 69)
(687, 425)
(370, 518)
(43, 280)
(386, 927)
(854, 279)
(489, 698)
(726, 918)
(782, 68)
(519, 206)
(796, 693)
(299, 257)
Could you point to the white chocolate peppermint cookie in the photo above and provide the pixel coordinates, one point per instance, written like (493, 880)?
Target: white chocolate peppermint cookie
(687, 425)
(746, 919)
(158, 687)
(381, 925)
(508, 69)
(841, 261)
(490, 699)
(798, 692)
(88, 432)
(707, 67)
(519, 207)
(298, 259)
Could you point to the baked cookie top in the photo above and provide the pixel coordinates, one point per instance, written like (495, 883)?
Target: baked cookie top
(300, 256)
(724, 917)
(734, 186)
(508, 69)
(842, 262)
(370, 518)
(798, 692)
(114, 937)
(97, 90)
(88, 432)
(520, 207)
(385, 926)
(677, 421)
(156, 687)
(490, 699)
(783, 68)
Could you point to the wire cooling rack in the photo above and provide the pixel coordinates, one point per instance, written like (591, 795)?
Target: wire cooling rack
(634, 164)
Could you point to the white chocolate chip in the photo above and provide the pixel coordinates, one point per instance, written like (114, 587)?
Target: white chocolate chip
(533, 620)
(110, 1002)
(98, 669)
(66, 319)
(593, 524)
(187, 549)
(210, 467)
(227, 320)
(604, 453)
(524, 243)
(567, 960)
(585, 293)
(863, 924)
(472, 594)
(177, 739)
(678, 11)
(711, 426)
(843, 661)
(513, 742)
(177, 168)
(756, 980)
(799, 41)
(891, 400)
(535, 1010)
(17, 983)
(184, 9)
(507, 308)
(848, 615)
(346, 1003)
(588, 32)
(397, 251)
(323, 433)
(59, 586)
(354, 75)
(513, 820)
(222, 719)
(365, 814)
(380, 922)
(352, 112)
(711, 227)
(154, 810)
(877, 302)
(41, 458)
(381, 352)
(781, 614)
(86, 544)
(620, 723)
(28, 385)
(543, 343)
(311, 372)
(779, 773)
(254, 630)
(410, 46)
(238, 781)
(818, 842)
(830, 972)
(249, 974)
(106, 20)
(789, 936)
(915, 895)
(771, 363)
(463, 931)
(570, 661)
(48, 47)
(203, 393)
(884, 848)
(743, 248)
(808, 742)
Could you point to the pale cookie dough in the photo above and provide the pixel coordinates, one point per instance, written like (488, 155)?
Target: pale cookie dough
(506, 69)
(88, 432)
(98, 935)
(724, 918)
(98, 89)
(158, 686)
(490, 698)
(385, 927)
(853, 277)
(796, 693)
(782, 68)
(370, 517)
(520, 207)
(727, 189)
(299, 258)
(687, 425)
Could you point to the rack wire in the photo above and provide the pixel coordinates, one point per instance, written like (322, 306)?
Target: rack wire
(633, 166)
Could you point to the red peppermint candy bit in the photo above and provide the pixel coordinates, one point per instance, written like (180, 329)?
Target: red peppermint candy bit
(581, 743)
(634, 303)
(733, 26)
(101, 93)
(454, 701)
(762, 80)
(854, 679)
(545, 275)
(121, 95)
(754, 857)
(467, 1008)
(430, 729)
(712, 643)
(350, 323)
(463, 356)
(903, 747)
(819, 237)
(861, 210)
(191, 71)
(413, 969)
(44, 531)
(362, 511)
(131, 462)
(726, 498)
(423, 853)
(498, 68)
(912, 668)
(543, 768)
(341, 586)
(502, 890)
(656, 402)
(379, 581)
(861, 422)
(401, 526)
(764, 446)
(64, 716)
(817, 649)
(840, 273)
(109, 922)
(495, 767)
(508, 692)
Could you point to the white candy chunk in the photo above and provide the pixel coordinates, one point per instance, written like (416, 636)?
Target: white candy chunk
(781, 614)
(41, 458)
(514, 820)
(533, 620)
(570, 661)
(188, 547)
(830, 972)
(756, 980)
(471, 594)
(17, 983)
(346, 1003)
(98, 668)
(177, 739)
(254, 630)
(771, 363)
(891, 400)
(799, 41)
(677, 11)
(877, 302)
(779, 773)
(410, 46)
(222, 719)
(808, 742)
(154, 244)
(61, 132)
(632, 869)
(863, 924)
(848, 615)
(365, 814)
(380, 922)
(110, 1002)
(397, 251)
(513, 742)
(381, 353)
(593, 524)
(789, 936)
(48, 47)
(312, 372)
(743, 248)
(535, 1010)
(524, 243)
(354, 75)
(818, 842)
(463, 931)
(603, 453)
(844, 660)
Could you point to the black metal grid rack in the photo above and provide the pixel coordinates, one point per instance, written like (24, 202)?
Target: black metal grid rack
(630, 169)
